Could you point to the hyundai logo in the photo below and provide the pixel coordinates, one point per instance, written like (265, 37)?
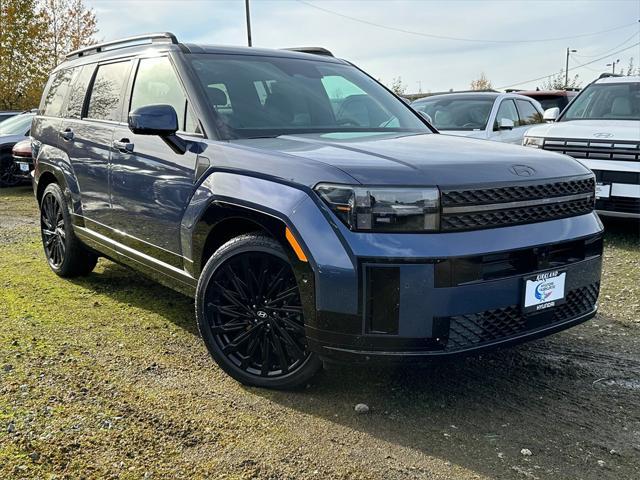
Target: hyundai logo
(262, 314)
(603, 135)
(522, 170)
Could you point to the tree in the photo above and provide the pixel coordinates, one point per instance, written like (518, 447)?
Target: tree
(398, 87)
(22, 68)
(71, 26)
(557, 81)
(631, 70)
(481, 83)
(34, 37)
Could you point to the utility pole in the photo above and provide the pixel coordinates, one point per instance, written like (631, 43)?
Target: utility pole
(613, 66)
(566, 68)
(246, 6)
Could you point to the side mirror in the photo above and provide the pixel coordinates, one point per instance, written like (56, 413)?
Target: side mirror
(551, 114)
(506, 124)
(426, 116)
(159, 120)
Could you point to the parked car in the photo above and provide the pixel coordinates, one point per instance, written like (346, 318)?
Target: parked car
(502, 117)
(551, 98)
(6, 114)
(313, 215)
(22, 160)
(12, 130)
(601, 128)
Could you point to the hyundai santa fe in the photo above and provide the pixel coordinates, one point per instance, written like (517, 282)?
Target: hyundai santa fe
(311, 213)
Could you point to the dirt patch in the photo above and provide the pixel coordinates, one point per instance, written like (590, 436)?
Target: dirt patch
(105, 377)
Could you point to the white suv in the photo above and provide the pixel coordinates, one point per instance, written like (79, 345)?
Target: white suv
(601, 128)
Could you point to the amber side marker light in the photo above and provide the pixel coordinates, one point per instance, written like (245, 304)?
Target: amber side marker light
(295, 245)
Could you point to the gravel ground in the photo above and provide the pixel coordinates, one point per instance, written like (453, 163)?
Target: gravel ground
(105, 377)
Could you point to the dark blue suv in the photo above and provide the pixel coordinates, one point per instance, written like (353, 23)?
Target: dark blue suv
(313, 215)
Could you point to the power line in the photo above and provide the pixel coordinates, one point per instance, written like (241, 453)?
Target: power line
(460, 39)
(607, 52)
(578, 66)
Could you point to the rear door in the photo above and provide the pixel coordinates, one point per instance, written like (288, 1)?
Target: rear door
(150, 183)
(94, 110)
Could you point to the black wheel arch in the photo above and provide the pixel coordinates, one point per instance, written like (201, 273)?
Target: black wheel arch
(223, 221)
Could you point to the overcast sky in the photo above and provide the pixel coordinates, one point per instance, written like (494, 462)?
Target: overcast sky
(502, 34)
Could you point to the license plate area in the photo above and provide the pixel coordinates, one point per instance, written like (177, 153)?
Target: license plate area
(24, 167)
(543, 290)
(603, 190)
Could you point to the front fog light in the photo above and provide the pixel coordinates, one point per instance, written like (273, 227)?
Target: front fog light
(382, 209)
(535, 142)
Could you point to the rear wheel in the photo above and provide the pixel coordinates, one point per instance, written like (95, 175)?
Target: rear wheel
(67, 257)
(250, 314)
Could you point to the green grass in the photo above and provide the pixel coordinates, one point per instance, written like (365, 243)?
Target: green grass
(106, 377)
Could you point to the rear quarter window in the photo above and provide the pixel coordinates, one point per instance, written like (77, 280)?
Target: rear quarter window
(57, 93)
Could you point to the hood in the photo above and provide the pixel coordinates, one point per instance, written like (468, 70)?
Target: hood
(10, 139)
(465, 133)
(589, 130)
(427, 159)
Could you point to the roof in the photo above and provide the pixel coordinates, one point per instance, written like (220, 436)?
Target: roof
(625, 79)
(533, 93)
(166, 41)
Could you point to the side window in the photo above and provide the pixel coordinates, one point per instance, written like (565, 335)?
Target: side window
(57, 93)
(78, 91)
(104, 103)
(528, 113)
(507, 110)
(156, 83)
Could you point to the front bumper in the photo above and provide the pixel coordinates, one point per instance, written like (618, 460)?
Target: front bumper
(410, 297)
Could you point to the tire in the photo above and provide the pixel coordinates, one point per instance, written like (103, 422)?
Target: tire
(66, 255)
(7, 171)
(250, 316)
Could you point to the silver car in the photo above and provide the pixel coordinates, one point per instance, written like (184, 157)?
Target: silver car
(501, 117)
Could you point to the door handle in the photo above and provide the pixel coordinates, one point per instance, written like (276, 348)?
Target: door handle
(123, 145)
(67, 134)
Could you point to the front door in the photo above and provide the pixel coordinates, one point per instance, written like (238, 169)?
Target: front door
(151, 185)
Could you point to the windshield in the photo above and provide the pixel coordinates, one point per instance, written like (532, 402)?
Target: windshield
(18, 125)
(611, 101)
(259, 96)
(457, 113)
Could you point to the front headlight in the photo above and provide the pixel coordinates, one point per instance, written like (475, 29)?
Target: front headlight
(535, 142)
(383, 209)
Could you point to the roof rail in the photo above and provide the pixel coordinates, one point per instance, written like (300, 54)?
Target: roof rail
(607, 75)
(160, 37)
(313, 50)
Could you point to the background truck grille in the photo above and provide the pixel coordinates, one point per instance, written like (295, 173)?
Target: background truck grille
(474, 209)
(595, 149)
(467, 331)
(619, 204)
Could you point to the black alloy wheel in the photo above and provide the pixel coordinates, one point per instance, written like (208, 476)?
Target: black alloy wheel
(8, 177)
(66, 255)
(250, 314)
(53, 230)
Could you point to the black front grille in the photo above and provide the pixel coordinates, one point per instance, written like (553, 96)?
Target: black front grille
(600, 149)
(515, 216)
(619, 204)
(516, 193)
(468, 331)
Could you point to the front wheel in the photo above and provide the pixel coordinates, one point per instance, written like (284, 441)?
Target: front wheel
(250, 315)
